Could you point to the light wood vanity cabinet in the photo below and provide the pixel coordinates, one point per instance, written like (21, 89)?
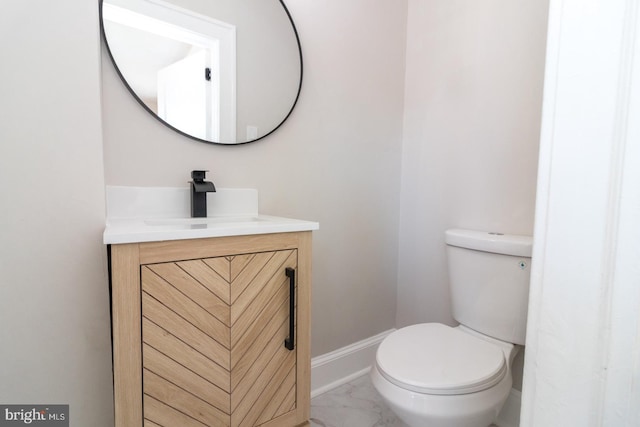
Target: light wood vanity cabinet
(199, 331)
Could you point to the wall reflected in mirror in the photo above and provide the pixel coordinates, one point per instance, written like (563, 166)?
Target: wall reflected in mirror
(221, 71)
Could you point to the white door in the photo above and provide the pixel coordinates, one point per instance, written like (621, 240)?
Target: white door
(582, 362)
(185, 96)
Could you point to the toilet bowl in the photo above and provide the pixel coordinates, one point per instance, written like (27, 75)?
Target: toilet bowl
(433, 375)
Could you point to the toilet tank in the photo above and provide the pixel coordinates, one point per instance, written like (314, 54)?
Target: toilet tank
(489, 282)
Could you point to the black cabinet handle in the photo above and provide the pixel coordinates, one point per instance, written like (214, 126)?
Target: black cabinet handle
(289, 343)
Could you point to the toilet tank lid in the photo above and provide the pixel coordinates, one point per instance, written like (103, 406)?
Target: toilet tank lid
(506, 244)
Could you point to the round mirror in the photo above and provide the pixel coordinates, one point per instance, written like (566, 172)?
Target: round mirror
(218, 71)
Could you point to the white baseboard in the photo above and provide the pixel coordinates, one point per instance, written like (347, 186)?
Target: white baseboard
(510, 414)
(334, 369)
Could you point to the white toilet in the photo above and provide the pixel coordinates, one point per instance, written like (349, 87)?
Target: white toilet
(433, 375)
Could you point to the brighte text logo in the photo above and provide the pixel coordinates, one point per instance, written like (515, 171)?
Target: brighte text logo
(36, 415)
(28, 417)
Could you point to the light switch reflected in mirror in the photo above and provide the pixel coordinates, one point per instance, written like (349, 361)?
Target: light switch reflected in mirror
(218, 71)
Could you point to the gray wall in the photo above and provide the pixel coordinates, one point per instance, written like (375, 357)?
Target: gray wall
(471, 131)
(336, 161)
(54, 310)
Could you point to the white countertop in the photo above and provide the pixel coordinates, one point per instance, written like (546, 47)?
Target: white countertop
(152, 214)
(138, 230)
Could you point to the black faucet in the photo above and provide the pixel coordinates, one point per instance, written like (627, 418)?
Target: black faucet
(199, 190)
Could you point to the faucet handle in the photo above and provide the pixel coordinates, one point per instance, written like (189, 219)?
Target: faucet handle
(198, 176)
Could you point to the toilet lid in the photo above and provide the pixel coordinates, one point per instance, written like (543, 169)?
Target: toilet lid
(433, 358)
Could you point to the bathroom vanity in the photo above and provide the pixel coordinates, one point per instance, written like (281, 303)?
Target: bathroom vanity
(211, 320)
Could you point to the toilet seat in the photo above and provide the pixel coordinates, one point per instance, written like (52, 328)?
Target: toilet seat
(433, 358)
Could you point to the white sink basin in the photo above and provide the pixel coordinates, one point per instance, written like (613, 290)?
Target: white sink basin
(152, 214)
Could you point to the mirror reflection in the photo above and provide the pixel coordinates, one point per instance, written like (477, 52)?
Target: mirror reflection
(221, 71)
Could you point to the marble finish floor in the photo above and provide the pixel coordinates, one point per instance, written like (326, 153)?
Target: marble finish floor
(355, 404)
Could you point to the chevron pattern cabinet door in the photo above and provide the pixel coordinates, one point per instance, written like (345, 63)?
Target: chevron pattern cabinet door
(213, 333)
